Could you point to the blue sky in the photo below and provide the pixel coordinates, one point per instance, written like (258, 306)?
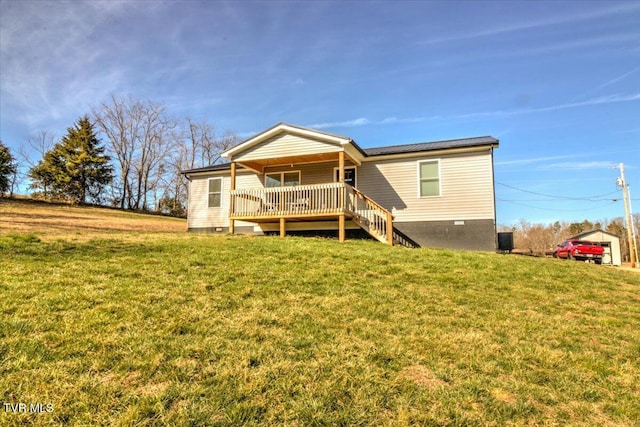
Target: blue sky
(558, 83)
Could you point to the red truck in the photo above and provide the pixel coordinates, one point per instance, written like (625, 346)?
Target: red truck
(581, 250)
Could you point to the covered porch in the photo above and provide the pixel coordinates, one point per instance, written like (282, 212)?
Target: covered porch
(290, 197)
(313, 202)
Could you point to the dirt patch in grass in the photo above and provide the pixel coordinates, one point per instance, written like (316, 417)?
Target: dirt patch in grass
(422, 376)
(153, 389)
(503, 396)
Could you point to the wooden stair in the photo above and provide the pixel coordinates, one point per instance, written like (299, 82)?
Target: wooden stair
(375, 219)
(401, 239)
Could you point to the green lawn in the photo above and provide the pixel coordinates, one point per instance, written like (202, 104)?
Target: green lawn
(183, 329)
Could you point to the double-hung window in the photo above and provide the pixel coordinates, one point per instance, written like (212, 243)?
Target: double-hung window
(215, 192)
(429, 178)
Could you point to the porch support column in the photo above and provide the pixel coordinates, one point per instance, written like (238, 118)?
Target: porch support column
(232, 222)
(283, 230)
(390, 228)
(342, 197)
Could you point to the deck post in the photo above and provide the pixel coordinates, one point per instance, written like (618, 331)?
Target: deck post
(342, 197)
(341, 228)
(341, 179)
(283, 230)
(390, 228)
(232, 222)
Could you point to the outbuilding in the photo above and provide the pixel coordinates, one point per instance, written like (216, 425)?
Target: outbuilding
(610, 242)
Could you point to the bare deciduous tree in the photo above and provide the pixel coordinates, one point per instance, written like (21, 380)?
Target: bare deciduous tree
(195, 145)
(204, 146)
(151, 150)
(41, 143)
(149, 165)
(31, 152)
(139, 133)
(115, 120)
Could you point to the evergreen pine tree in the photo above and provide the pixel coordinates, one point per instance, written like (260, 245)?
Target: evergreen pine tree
(8, 168)
(42, 176)
(76, 168)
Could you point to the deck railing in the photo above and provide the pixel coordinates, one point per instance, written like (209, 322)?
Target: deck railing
(318, 200)
(296, 200)
(370, 215)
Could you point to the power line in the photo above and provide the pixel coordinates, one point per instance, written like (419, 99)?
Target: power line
(590, 199)
(554, 201)
(555, 210)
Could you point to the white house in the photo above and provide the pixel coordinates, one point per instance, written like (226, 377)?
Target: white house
(290, 179)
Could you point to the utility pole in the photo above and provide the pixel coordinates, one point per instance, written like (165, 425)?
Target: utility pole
(627, 215)
(634, 232)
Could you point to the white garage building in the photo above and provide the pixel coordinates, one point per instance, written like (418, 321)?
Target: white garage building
(611, 243)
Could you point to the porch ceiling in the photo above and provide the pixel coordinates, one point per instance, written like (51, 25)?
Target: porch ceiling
(259, 165)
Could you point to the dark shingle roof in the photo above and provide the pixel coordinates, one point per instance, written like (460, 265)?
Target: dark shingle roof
(431, 146)
(212, 168)
(391, 149)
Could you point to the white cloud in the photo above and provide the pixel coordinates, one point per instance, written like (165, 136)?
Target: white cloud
(579, 165)
(362, 121)
(608, 99)
(539, 23)
(50, 63)
(609, 82)
(535, 160)
(59, 59)
(394, 120)
(348, 123)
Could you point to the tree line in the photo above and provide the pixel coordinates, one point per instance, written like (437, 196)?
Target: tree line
(127, 153)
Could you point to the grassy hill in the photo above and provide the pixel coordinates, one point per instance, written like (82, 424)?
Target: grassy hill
(112, 325)
(51, 220)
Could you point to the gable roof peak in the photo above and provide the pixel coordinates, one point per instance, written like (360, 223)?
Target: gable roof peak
(283, 128)
(284, 125)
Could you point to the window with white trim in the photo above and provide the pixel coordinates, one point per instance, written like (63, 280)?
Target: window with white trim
(215, 192)
(429, 178)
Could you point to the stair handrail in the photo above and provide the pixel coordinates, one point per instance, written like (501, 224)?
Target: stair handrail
(403, 240)
(373, 202)
(381, 229)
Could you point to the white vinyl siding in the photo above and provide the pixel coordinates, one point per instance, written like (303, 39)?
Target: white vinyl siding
(466, 188)
(215, 192)
(285, 145)
(200, 215)
(429, 178)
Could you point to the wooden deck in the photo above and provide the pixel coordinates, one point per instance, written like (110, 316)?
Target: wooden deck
(329, 201)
